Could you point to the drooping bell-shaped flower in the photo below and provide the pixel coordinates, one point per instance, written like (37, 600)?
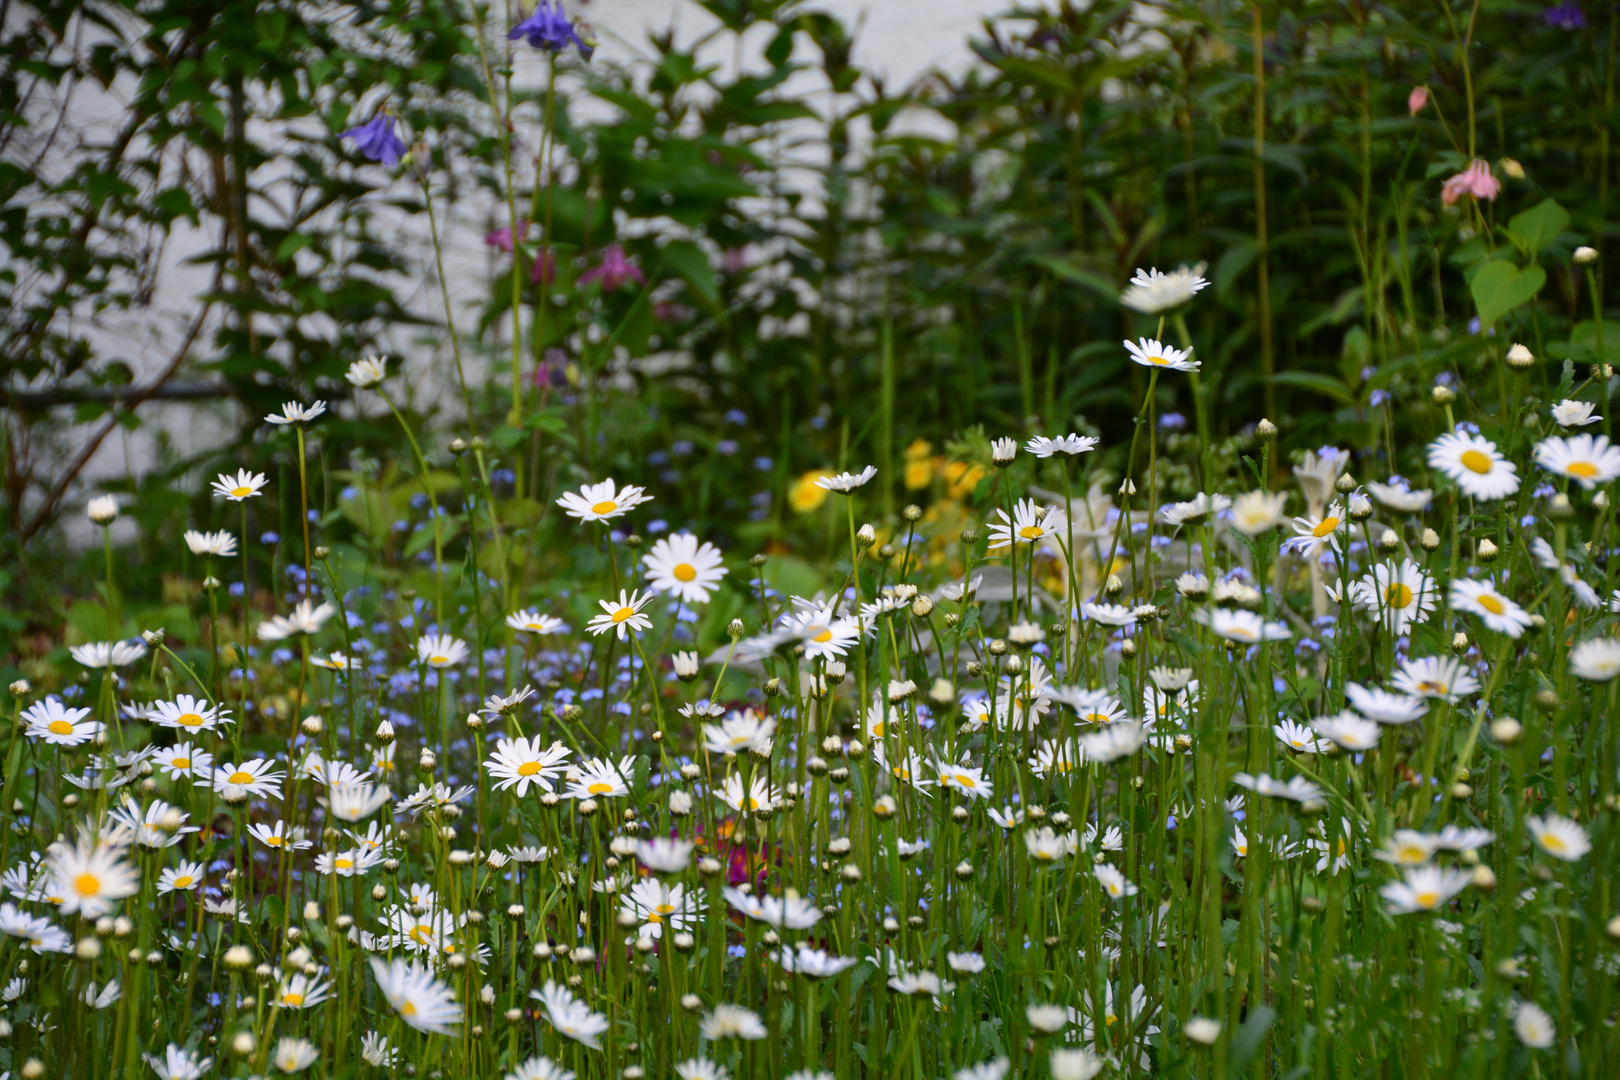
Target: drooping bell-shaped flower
(376, 140)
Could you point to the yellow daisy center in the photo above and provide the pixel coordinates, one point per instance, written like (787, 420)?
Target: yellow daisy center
(606, 506)
(599, 788)
(60, 727)
(182, 882)
(653, 916)
(665, 909)
(292, 999)
(343, 863)
(1476, 461)
(823, 637)
(407, 1008)
(181, 763)
(1328, 524)
(1427, 899)
(1492, 603)
(420, 933)
(241, 492)
(1413, 854)
(1553, 842)
(239, 777)
(1032, 532)
(685, 572)
(1583, 469)
(87, 884)
(1431, 686)
(878, 729)
(438, 661)
(1159, 360)
(1398, 595)
(528, 768)
(966, 781)
(623, 614)
(190, 719)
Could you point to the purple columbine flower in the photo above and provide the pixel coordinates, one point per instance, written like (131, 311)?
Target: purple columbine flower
(1565, 16)
(549, 28)
(377, 141)
(614, 270)
(502, 238)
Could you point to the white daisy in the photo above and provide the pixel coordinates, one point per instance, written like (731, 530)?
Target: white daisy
(602, 502)
(1424, 888)
(1559, 837)
(294, 412)
(420, 999)
(1028, 525)
(1151, 353)
(215, 544)
(1316, 531)
(1588, 460)
(681, 565)
(1398, 596)
(244, 485)
(1472, 461)
(1481, 598)
(440, 650)
(1070, 445)
(622, 616)
(1153, 291)
(845, 482)
(1596, 659)
(522, 762)
(1573, 414)
(59, 725)
(1243, 627)
(1441, 677)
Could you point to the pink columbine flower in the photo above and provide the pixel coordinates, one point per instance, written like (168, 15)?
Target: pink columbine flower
(614, 270)
(1476, 180)
(1417, 100)
(543, 271)
(502, 238)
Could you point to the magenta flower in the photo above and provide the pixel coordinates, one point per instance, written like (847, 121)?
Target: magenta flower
(543, 270)
(376, 140)
(1476, 181)
(614, 270)
(502, 238)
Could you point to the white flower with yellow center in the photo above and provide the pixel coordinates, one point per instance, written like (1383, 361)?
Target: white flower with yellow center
(294, 1055)
(1243, 627)
(257, 777)
(1407, 847)
(1441, 677)
(189, 714)
(89, 876)
(295, 412)
(1424, 888)
(1481, 598)
(1255, 512)
(1588, 460)
(1113, 882)
(530, 621)
(1574, 414)
(59, 725)
(740, 733)
(244, 485)
(1316, 531)
(1154, 291)
(522, 762)
(623, 615)
(969, 781)
(598, 778)
(761, 795)
(1596, 659)
(277, 838)
(440, 650)
(1474, 464)
(367, 372)
(1031, 523)
(211, 544)
(1559, 837)
(306, 617)
(185, 877)
(419, 998)
(1156, 354)
(683, 566)
(846, 482)
(569, 1016)
(822, 632)
(602, 502)
(1533, 1026)
(1350, 731)
(1398, 596)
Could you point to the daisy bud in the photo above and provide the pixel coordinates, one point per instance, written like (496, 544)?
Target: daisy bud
(1002, 452)
(912, 512)
(1506, 730)
(891, 925)
(1559, 508)
(887, 551)
(1602, 372)
(856, 749)
(122, 927)
(20, 687)
(1014, 665)
(457, 962)
(587, 807)
(240, 957)
(686, 665)
(541, 950)
(691, 1003)
(1127, 647)
(1360, 508)
(312, 725)
(964, 871)
(884, 807)
(427, 760)
(851, 873)
(136, 956)
(583, 955)
(104, 926)
(680, 803)
(211, 583)
(1487, 551)
(1483, 878)
(344, 922)
(975, 669)
(458, 446)
(734, 629)
(959, 814)
(773, 687)
(1613, 927)
(1114, 586)
(1430, 540)
(922, 607)
(1389, 541)
(571, 712)
(866, 536)
(759, 560)
(709, 866)
(1265, 430)
(1459, 643)
(1585, 255)
(474, 721)
(1548, 701)
(1461, 791)
(550, 800)
(942, 692)
(968, 537)
(384, 733)
(627, 920)
(1519, 357)
(33, 1069)
(263, 972)
(1202, 1030)
(685, 942)
(294, 934)
(513, 1016)
(102, 509)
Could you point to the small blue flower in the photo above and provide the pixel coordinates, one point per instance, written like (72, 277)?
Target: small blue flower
(549, 28)
(1565, 16)
(376, 140)
(270, 539)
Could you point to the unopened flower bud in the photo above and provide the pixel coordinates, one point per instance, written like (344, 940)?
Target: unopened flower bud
(1506, 730)
(1487, 551)
(1585, 255)
(866, 536)
(1430, 540)
(922, 606)
(1459, 643)
(734, 629)
(1519, 358)
(1345, 484)
(1442, 395)
(1265, 430)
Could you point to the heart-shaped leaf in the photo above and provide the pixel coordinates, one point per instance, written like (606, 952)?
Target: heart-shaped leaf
(1540, 225)
(1499, 287)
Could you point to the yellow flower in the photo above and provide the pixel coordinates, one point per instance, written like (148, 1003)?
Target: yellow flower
(919, 466)
(805, 497)
(961, 478)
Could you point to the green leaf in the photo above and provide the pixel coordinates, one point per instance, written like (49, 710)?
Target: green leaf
(1540, 225)
(1246, 1043)
(1317, 383)
(294, 243)
(1499, 287)
(691, 265)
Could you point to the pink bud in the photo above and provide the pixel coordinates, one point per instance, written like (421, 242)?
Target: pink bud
(1417, 99)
